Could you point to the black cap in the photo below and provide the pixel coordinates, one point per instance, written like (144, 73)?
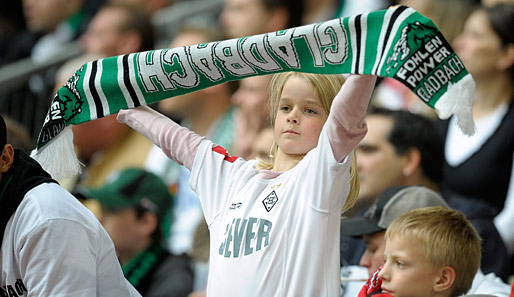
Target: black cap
(393, 202)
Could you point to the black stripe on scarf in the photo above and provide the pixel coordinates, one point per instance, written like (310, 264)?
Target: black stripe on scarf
(94, 92)
(126, 80)
(395, 16)
(24, 174)
(358, 34)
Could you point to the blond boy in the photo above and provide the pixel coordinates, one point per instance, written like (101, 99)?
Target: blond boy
(431, 251)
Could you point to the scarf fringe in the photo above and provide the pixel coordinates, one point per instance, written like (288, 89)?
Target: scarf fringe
(458, 100)
(58, 157)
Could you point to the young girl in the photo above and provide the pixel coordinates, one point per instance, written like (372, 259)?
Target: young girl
(275, 231)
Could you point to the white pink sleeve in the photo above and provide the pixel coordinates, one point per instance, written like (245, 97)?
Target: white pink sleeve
(345, 125)
(178, 143)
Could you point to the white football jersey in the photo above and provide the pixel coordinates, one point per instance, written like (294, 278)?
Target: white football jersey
(272, 235)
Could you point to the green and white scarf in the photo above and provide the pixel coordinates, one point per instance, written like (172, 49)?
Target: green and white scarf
(397, 42)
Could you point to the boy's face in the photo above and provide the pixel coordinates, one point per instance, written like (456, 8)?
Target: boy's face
(406, 272)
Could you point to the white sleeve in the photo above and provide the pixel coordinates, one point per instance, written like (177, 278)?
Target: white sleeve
(213, 172)
(505, 219)
(61, 257)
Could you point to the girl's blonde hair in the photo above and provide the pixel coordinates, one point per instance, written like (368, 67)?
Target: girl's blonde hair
(326, 88)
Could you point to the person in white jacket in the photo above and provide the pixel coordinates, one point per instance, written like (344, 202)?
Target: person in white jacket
(51, 244)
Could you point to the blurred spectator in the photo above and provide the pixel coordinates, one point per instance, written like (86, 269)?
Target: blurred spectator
(208, 112)
(263, 144)
(51, 26)
(478, 174)
(371, 228)
(241, 18)
(15, 42)
(18, 135)
(134, 203)
(119, 29)
(58, 22)
(251, 100)
(449, 17)
(400, 148)
(149, 6)
(323, 10)
(491, 3)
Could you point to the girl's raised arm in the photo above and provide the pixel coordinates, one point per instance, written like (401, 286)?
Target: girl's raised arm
(345, 125)
(178, 143)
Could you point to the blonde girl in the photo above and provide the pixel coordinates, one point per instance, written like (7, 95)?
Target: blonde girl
(274, 231)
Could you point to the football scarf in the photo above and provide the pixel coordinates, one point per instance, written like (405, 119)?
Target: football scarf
(397, 42)
(373, 287)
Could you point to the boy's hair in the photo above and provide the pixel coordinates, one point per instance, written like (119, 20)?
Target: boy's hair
(326, 87)
(447, 239)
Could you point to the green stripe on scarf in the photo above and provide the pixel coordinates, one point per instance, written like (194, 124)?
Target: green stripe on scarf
(398, 43)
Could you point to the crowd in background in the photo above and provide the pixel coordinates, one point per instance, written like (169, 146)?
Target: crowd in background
(406, 144)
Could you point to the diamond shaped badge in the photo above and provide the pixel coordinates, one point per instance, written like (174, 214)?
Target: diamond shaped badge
(270, 201)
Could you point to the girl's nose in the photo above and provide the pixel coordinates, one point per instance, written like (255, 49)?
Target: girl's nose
(293, 117)
(292, 120)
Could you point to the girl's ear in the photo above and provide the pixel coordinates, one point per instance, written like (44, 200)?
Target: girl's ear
(444, 279)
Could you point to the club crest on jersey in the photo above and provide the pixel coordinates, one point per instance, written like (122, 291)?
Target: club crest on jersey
(270, 201)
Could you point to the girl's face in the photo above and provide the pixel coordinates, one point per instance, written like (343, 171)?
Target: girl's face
(479, 46)
(299, 119)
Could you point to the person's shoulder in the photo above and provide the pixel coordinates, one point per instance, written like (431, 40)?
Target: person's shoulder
(50, 201)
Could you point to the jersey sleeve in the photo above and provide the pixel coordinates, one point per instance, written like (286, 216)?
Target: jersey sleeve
(345, 125)
(178, 143)
(213, 173)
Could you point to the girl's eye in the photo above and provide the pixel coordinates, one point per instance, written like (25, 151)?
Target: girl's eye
(399, 264)
(285, 108)
(310, 111)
